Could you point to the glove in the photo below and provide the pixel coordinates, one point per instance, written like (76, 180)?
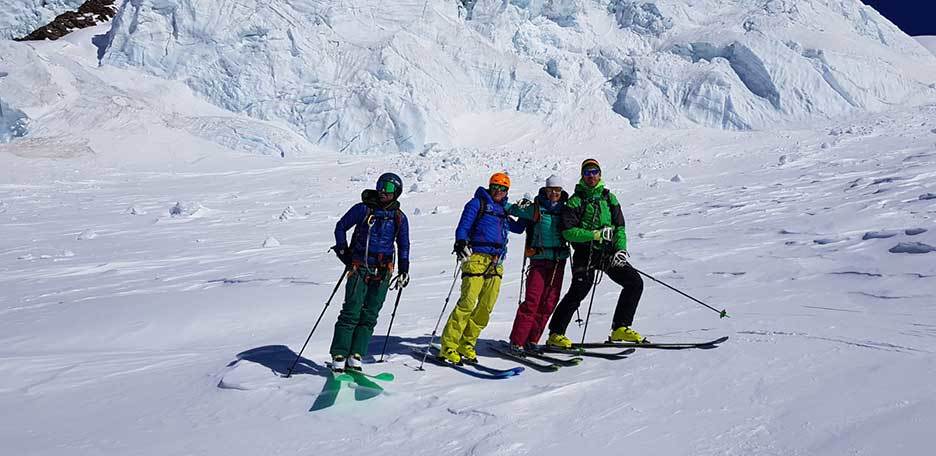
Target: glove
(619, 259)
(400, 281)
(343, 254)
(524, 203)
(462, 251)
(604, 234)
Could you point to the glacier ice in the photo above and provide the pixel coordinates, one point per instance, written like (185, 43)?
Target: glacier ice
(371, 76)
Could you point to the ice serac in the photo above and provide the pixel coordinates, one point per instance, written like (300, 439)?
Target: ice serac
(394, 75)
(20, 17)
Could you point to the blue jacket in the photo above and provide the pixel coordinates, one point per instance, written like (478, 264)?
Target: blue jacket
(487, 233)
(389, 225)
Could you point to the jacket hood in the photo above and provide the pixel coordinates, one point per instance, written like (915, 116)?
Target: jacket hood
(543, 200)
(372, 199)
(584, 190)
(482, 193)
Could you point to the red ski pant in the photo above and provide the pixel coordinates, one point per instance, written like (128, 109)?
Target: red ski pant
(543, 286)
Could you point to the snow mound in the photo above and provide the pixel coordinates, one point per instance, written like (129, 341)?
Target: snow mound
(377, 75)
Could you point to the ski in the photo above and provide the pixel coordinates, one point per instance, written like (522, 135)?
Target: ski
(540, 355)
(326, 398)
(475, 370)
(582, 352)
(663, 346)
(551, 367)
(364, 387)
(383, 376)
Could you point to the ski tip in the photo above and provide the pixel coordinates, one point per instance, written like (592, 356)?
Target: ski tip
(385, 376)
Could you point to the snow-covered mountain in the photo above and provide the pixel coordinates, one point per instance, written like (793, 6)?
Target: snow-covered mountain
(20, 17)
(377, 75)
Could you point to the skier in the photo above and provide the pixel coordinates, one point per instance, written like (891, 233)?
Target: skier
(548, 251)
(480, 246)
(378, 223)
(592, 221)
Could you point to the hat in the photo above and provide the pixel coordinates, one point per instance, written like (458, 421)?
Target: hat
(591, 163)
(554, 181)
(500, 179)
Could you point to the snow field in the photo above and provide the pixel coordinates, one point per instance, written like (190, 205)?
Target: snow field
(139, 329)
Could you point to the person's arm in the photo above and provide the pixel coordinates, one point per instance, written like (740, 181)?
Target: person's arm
(403, 245)
(570, 223)
(468, 216)
(351, 218)
(617, 219)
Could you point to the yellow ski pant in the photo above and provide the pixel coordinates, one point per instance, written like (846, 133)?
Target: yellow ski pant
(481, 281)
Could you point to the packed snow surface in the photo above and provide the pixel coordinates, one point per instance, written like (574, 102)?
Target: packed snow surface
(378, 75)
(164, 259)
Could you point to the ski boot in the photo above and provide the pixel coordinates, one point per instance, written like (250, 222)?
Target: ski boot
(559, 341)
(450, 355)
(517, 350)
(337, 363)
(468, 354)
(354, 363)
(625, 334)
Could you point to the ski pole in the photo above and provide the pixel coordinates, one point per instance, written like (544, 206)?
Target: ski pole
(392, 316)
(591, 301)
(298, 356)
(721, 313)
(523, 272)
(441, 314)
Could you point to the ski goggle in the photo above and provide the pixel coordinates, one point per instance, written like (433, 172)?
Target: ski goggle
(553, 189)
(591, 172)
(387, 187)
(498, 188)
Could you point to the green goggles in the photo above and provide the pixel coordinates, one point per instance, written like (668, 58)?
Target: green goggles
(388, 187)
(498, 188)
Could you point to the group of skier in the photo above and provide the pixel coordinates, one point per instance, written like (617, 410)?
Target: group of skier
(590, 221)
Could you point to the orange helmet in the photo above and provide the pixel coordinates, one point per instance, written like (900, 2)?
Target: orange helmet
(500, 179)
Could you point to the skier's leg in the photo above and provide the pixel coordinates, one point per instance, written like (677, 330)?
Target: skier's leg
(554, 273)
(373, 301)
(527, 317)
(350, 314)
(582, 282)
(631, 290)
(482, 313)
(472, 282)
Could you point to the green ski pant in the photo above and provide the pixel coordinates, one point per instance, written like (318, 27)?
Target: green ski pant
(481, 281)
(364, 296)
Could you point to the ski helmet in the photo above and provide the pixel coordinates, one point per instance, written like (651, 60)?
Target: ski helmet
(500, 179)
(390, 183)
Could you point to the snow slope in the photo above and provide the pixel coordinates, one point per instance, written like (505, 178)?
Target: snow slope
(376, 75)
(929, 42)
(140, 312)
(20, 17)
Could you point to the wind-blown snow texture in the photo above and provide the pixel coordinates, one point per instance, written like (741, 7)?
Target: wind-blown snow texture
(20, 17)
(377, 75)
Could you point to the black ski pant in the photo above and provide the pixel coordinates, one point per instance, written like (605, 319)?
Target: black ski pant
(582, 281)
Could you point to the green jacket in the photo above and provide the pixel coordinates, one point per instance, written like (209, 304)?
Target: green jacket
(591, 209)
(543, 220)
